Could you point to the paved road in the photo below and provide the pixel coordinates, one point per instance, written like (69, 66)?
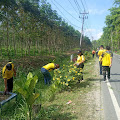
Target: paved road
(111, 92)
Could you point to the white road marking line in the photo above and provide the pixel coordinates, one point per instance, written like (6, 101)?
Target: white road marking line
(115, 103)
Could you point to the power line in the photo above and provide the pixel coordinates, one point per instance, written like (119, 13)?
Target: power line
(86, 4)
(83, 4)
(88, 27)
(73, 7)
(78, 6)
(64, 16)
(66, 11)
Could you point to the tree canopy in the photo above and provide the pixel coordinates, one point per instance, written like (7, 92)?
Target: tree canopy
(34, 23)
(111, 36)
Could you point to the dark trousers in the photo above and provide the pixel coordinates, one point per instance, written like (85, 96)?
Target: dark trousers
(100, 68)
(47, 76)
(10, 84)
(96, 54)
(106, 69)
(81, 66)
(93, 55)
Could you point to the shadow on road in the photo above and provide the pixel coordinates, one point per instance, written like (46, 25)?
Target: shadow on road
(114, 80)
(115, 74)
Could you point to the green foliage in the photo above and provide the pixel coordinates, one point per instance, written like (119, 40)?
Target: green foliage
(88, 55)
(32, 27)
(27, 91)
(47, 93)
(111, 36)
(64, 77)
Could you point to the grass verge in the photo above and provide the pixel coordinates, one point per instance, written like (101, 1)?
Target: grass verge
(56, 109)
(83, 105)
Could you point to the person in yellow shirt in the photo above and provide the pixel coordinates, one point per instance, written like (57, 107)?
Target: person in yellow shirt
(46, 69)
(80, 63)
(7, 74)
(106, 59)
(99, 54)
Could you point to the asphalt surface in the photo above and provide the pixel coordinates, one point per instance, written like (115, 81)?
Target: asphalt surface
(108, 103)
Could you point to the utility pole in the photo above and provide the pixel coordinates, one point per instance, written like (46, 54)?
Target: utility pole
(83, 19)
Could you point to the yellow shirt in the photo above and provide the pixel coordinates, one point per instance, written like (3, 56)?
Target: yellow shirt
(100, 53)
(49, 66)
(80, 58)
(106, 58)
(8, 73)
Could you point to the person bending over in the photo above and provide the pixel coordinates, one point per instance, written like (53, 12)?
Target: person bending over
(46, 69)
(7, 74)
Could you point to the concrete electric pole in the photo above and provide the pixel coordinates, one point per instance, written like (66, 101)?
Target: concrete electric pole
(83, 19)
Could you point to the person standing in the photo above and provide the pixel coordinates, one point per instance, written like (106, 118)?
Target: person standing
(80, 63)
(99, 54)
(93, 53)
(46, 69)
(7, 74)
(106, 59)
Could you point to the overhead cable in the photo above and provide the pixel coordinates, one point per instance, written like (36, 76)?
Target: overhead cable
(64, 15)
(66, 11)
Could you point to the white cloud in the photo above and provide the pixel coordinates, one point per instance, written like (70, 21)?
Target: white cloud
(94, 34)
(96, 11)
(90, 30)
(99, 35)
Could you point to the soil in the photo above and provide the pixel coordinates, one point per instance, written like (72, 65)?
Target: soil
(3, 97)
(94, 97)
(28, 62)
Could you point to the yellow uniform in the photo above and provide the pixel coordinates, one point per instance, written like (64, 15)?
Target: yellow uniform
(106, 58)
(100, 53)
(8, 73)
(49, 66)
(80, 58)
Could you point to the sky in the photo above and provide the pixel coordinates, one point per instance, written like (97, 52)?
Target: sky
(97, 9)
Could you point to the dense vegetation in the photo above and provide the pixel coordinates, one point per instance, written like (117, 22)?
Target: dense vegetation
(19, 110)
(31, 27)
(111, 32)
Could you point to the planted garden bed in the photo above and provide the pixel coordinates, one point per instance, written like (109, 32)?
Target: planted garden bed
(3, 97)
(6, 98)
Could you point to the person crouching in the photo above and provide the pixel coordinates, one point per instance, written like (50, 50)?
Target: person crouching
(80, 63)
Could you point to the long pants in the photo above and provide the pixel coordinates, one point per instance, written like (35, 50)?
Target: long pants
(10, 84)
(47, 76)
(93, 55)
(97, 54)
(106, 69)
(100, 68)
(81, 66)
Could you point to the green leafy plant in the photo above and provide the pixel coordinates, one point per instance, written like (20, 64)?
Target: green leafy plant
(27, 91)
(65, 76)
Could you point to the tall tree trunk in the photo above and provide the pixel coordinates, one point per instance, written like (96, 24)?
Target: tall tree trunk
(7, 44)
